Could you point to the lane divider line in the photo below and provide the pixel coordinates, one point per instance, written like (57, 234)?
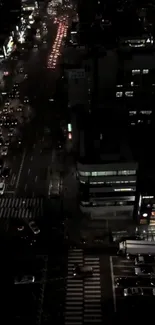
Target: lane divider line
(20, 169)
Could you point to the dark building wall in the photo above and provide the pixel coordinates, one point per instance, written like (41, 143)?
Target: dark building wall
(9, 14)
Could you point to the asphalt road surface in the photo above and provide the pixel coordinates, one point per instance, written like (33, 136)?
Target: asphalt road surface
(29, 166)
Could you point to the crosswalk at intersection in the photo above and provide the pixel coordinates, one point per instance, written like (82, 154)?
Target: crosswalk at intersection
(83, 296)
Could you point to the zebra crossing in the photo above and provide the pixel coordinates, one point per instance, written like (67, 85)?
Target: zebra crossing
(74, 294)
(83, 296)
(92, 293)
(29, 208)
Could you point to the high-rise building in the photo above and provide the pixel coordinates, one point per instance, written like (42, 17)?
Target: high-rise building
(116, 54)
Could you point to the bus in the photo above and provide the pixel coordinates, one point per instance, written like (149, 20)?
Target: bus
(55, 185)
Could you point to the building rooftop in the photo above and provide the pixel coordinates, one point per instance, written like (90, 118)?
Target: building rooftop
(105, 146)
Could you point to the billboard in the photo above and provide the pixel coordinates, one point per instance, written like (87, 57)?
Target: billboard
(9, 47)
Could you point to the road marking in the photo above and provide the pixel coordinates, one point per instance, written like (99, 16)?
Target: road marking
(31, 158)
(123, 266)
(20, 169)
(29, 171)
(113, 283)
(13, 178)
(36, 178)
(25, 188)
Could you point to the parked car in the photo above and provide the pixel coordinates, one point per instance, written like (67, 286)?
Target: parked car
(26, 279)
(133, 292)
(144, 270)
(141, 260)
(4, 151)
(34, 227)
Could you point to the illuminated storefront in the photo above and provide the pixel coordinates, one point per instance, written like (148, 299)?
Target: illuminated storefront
(9, 47)
(146, 210)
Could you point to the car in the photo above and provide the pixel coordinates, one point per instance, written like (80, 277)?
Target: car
(7, 143)
(145, 282)
(5, 109)
(5, 172)
(26, 100)
(21, 70)
(1, 163)
(144, 270)
(14, 121)
(133, 292)
(141, 260)
(34, 227)
(1, 141)
(26, 279)
(125, 282)
(7, 103)
(10, 132)
(17, 94)
(19, 108)
(2, 187)
(6, 121)
(82, 271)
(4, 151)
(12, 94)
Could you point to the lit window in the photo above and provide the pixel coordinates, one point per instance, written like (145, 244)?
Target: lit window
(124, 189)
(146, 112)
(104, 173)
(132, 83)
(145, 71)
(137, 71)
(119, 86)
(94, 173)
(132, 113)
(119, 94)
(126, 172)
(81, 173)
(129, 93)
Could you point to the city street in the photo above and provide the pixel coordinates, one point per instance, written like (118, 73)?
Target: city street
(29, 166)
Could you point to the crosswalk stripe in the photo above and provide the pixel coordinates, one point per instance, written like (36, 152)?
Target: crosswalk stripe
(92, 287)
(97, 295)
(73, 312)
(91, 263)
(93, 280)
(92, 305)
(73, 317)
(92, 321)
(74, 308)
(74, 289)
(74, 285)
(73, 280)
(92, 300)
(74, 294)
(73, 323)
(91, 258)
(76, 250)
(72, 303)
